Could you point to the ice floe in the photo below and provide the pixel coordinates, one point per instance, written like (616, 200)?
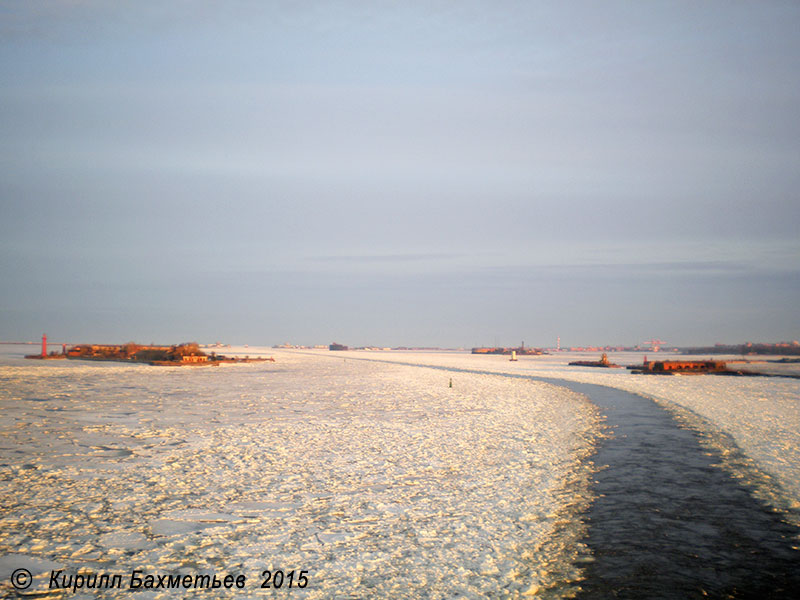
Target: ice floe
(378, 480)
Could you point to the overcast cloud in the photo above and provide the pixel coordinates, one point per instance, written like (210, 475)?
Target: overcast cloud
(453, 173)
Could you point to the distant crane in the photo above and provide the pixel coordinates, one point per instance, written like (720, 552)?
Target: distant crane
(655, 344)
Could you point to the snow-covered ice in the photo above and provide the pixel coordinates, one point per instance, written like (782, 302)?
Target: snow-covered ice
(759, 415)
(380, 480)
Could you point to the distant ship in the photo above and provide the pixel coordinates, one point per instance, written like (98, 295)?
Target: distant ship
(682, 367)
(603, 363)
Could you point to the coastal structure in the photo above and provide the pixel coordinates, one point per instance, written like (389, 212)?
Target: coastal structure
(44, 355)
(520, 351)
(188, 354)
(748, 348)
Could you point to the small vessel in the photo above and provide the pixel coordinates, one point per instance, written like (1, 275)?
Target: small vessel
(603, 362)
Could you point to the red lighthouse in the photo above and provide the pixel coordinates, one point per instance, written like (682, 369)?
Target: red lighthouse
(44, 345)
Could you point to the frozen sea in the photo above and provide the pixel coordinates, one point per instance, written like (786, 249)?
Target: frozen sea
(379, 474)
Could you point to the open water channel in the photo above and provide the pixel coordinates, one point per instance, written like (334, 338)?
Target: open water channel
(669, 523)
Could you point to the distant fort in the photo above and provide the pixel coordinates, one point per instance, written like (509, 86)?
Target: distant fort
(188, 354)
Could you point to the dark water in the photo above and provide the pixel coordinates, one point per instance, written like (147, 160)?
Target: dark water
(669, 524)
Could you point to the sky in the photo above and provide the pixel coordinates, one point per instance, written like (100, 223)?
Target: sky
(449, 174)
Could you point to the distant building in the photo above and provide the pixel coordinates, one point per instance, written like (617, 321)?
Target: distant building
(336, 346)
(194, 359)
